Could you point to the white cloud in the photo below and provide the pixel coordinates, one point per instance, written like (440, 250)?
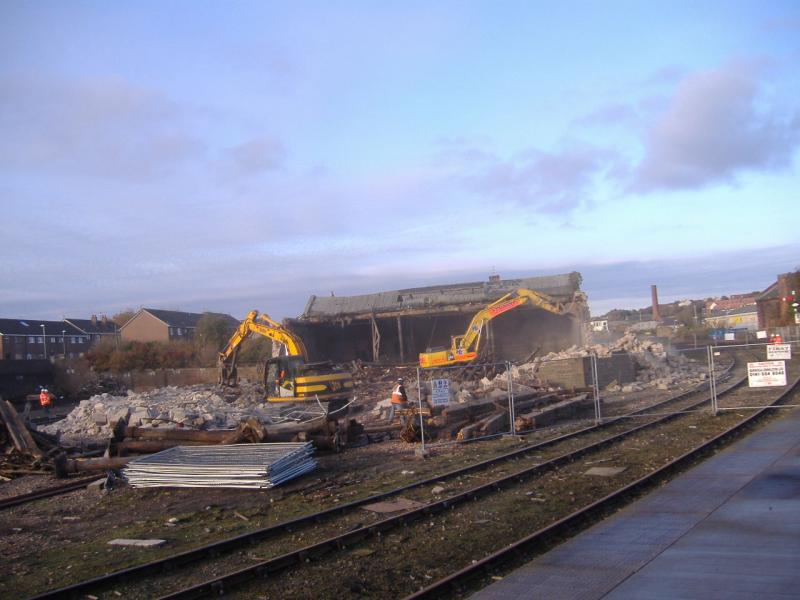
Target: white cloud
(555, 182)
(99, 127)
(253, 157)
(715, 127)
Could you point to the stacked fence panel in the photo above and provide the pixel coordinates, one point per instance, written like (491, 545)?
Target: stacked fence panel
(253, 466)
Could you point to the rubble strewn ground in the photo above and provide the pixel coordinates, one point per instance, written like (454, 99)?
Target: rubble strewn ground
(194, 407)
(656, 367)
(81, 527)
(216, 407)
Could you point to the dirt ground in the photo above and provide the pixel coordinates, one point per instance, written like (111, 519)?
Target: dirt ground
(53, 542)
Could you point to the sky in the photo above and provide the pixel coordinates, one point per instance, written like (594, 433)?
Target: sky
(226, 156)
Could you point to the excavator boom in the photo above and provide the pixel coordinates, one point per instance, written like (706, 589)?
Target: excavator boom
(464, 348)
(263, 325)
(291, 377)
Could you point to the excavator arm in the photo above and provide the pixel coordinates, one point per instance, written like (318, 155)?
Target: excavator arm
(464, 348)
(260, 325)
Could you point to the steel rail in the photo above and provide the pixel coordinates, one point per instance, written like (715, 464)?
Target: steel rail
(47, 493)
(215, 548)
(219, 585)
(455, 582)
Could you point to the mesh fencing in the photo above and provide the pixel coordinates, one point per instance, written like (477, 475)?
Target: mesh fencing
(482, 401)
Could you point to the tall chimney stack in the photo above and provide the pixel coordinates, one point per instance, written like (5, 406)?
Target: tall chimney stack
(654, 294)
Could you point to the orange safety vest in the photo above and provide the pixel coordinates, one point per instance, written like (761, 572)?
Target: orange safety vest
(397, 395)
(44, 399)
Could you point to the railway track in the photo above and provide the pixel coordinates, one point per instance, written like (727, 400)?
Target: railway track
(481, 572)
(70, 486)
(79, 483)
(682, 403)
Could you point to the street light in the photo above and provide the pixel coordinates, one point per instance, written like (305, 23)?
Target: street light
(44, 340)
(64, 341)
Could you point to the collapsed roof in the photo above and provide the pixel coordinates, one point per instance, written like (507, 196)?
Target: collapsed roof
(459, 297)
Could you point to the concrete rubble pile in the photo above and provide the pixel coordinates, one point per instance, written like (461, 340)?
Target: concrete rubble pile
(193, 407)
(478, 405)
(655, 367)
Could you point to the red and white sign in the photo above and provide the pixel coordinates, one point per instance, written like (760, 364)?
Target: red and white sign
(779, 352)
(766, 374)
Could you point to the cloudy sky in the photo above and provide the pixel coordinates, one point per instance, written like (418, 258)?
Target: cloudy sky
(227, 156)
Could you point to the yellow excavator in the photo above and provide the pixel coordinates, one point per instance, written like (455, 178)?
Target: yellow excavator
(288, 378)
(464, 348)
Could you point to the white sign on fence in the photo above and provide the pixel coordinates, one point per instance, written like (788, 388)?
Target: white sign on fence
(440, 392)
(766, 374)
(761, 335)
(779, 352)
(730, 337)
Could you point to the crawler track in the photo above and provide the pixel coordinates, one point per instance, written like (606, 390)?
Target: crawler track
(218, 584)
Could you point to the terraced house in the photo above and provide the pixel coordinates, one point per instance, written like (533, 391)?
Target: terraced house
(31, 339)
(156, 325)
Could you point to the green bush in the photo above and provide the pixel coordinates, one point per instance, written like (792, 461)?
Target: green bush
(136, 356)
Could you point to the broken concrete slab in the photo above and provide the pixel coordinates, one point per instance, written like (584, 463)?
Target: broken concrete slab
(153, 543)
(390, 506)
(605, 471)
(97, 485)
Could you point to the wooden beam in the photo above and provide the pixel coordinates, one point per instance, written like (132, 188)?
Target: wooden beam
(400, 338)
(376, 340)
(17, 429)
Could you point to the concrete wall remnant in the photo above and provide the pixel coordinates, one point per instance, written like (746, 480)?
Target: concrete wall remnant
(395, 326)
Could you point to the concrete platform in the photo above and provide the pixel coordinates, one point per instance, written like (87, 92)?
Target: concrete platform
(727, 529)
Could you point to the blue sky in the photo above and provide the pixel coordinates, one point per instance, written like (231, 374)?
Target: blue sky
(228, 156)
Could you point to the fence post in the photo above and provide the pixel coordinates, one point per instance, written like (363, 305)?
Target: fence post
(716, 398)
(712, 381)
(598, 417)
(511, 415)
(421, 419)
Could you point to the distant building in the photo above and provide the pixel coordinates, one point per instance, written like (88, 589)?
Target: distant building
(31, 339)
(775, 304)
(598, 325)
(732, 302)
(96, 329)
(642, 326)
(745, 317)
(156, 325)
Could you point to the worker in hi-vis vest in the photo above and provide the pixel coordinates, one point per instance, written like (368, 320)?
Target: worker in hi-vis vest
(399, 401)
(45, 399)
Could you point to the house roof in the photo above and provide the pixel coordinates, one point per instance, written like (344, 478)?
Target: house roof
(177, 318)
(770, 292)
(643, 325)
(560, 287)
(34, 327)
(93, 326)
(750, 309)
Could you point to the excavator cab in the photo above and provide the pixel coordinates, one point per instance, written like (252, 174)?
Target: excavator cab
(280, 377)
(289, 378)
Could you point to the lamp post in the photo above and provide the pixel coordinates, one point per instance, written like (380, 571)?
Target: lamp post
(64, 342)
(44, 340)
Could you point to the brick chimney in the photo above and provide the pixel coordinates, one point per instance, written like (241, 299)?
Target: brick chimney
(654, 294)
(94, 320)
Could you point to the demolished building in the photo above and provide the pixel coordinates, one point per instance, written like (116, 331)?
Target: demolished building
(395, 326)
